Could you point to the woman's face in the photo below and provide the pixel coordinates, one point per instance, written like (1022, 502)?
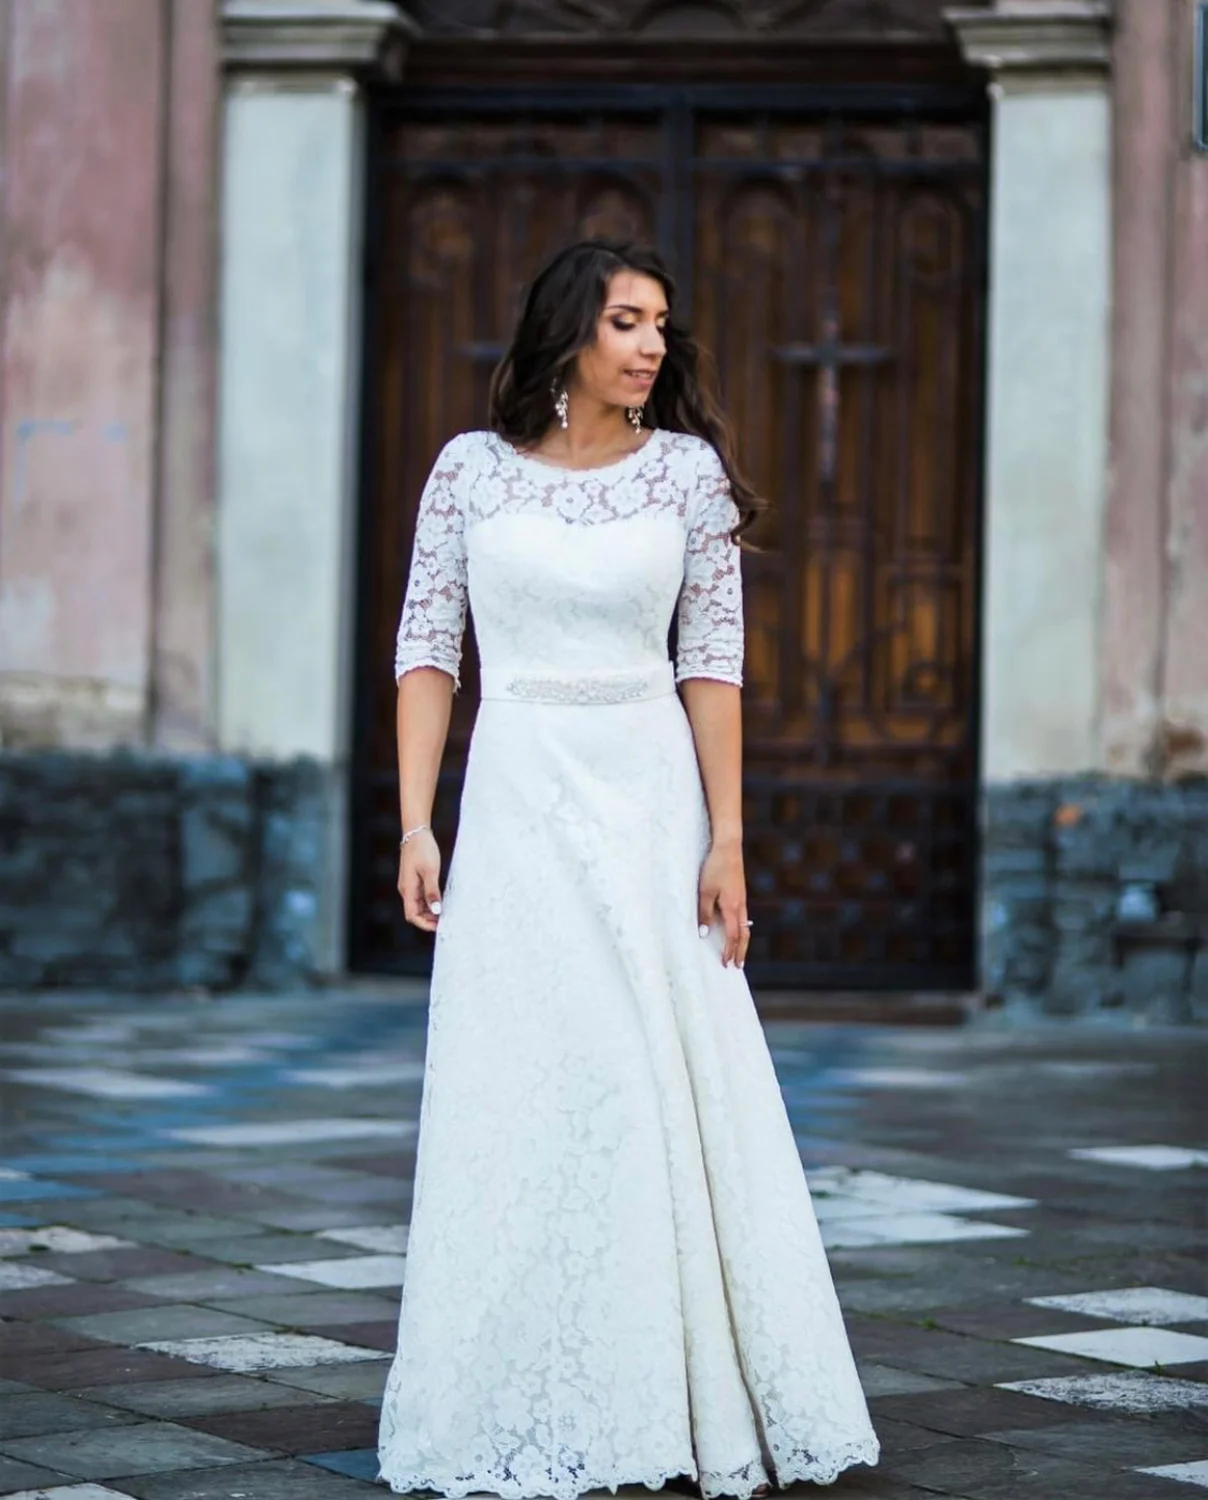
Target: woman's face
(619, 369)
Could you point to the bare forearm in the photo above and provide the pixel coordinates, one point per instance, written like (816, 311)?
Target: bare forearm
(714, 711)
(425, 702)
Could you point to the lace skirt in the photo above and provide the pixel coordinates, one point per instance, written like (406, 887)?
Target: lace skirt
(614, 1270)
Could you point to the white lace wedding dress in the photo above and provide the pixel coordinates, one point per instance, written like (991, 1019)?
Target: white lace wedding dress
(614, 1272)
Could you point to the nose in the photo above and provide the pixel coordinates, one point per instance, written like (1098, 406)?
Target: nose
(653, 345)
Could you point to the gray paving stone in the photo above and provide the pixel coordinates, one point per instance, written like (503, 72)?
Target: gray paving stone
(218, 1288)
(324, 1216)
(153, 1324)
(267, 1249)
(320, 1306)
(118, 1265)
(181, 1231)
(283, 1479)
(16, 1476)
(884, 1380)
(143, 1448)
(1048, 1478)
(1119, 1441)
(37, 1412)
(176, 1399)
(359, 1382)
(970, 1412)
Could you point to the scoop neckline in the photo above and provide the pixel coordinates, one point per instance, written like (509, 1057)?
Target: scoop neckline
(624, 461)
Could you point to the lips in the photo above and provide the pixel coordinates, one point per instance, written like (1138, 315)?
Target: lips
(645, 377)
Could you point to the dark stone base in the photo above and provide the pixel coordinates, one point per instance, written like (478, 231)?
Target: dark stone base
(1057, 857)
(143, 872)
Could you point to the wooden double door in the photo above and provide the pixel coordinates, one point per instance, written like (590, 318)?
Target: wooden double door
(830, 252)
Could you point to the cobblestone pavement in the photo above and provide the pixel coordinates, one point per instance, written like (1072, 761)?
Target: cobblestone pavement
(203, 1211)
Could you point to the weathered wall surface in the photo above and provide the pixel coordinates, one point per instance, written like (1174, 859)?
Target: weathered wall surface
(105, 432)
(1154, 664)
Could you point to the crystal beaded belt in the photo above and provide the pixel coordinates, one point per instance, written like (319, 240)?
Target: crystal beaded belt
(622, 686)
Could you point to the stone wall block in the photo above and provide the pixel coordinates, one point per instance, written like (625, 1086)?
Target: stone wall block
(94, 846)
(147, 873)
(1197, 987)
(218, 868)
(1078, 988)
(293, 801)
(1154, 982)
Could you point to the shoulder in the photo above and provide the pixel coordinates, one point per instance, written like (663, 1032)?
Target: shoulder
(696, 454)
(463, 449)
(460, 463)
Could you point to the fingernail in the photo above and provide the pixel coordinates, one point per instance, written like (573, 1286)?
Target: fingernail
(703, 930)
(435, 908)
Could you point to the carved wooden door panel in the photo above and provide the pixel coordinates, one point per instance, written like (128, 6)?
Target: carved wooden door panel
(834, 267)
(839, 282)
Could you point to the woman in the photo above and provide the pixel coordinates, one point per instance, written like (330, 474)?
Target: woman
(614, 1271)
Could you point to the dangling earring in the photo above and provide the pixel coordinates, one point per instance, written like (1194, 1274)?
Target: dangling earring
(562, 405)
(634, 413)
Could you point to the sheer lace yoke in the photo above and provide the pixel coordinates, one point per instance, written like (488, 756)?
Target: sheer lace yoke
(605, 600)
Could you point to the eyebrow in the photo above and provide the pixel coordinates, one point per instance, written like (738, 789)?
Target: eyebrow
(663, 312)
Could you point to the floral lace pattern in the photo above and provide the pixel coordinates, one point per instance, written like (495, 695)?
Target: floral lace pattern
(614, 1272)
(480, 478)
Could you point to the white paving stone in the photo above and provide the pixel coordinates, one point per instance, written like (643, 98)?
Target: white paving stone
(245, 1354)
(911, 1229)
(276, 1041)
(369, 1076)
(1149, 1306)
(1062, 1069)
(1151, 1158)
(1139, 1347)
(294, 1132)
(898, 1078)
(387, 1239)
(16, 1276)
(1126, 1392)
(352, 1273)
(71, 1492)
(908, 1193)
(202, 1057)
(1193, 1473)
(56, 1237)
(108, 1083)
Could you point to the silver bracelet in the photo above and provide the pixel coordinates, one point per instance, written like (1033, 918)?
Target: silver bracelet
(410, 833)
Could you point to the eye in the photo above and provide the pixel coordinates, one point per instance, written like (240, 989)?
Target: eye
(623, 326)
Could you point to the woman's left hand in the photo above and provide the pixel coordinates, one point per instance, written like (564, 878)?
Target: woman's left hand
(723, 890)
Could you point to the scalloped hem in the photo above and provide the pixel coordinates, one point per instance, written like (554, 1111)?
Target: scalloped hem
(511, 1489)
(827, 1471)
(816, 1471)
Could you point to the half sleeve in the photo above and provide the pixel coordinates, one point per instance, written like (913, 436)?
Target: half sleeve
(433, 620)
(709, 624)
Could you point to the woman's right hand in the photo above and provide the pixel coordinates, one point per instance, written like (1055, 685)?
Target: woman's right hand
(419, 880)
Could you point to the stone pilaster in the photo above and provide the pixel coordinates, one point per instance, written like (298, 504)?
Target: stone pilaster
(290, 318)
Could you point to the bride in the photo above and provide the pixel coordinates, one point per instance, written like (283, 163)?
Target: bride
(614, 1273)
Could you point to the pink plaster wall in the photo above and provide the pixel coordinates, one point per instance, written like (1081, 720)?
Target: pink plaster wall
(105, 307)
(1155, 603)
(1186, 649)
(182, 667)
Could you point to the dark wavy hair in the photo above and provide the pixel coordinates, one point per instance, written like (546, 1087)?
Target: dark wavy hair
(560, 315)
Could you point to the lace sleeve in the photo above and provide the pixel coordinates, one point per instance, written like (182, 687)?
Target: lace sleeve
(434, 610)
(709, 619)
